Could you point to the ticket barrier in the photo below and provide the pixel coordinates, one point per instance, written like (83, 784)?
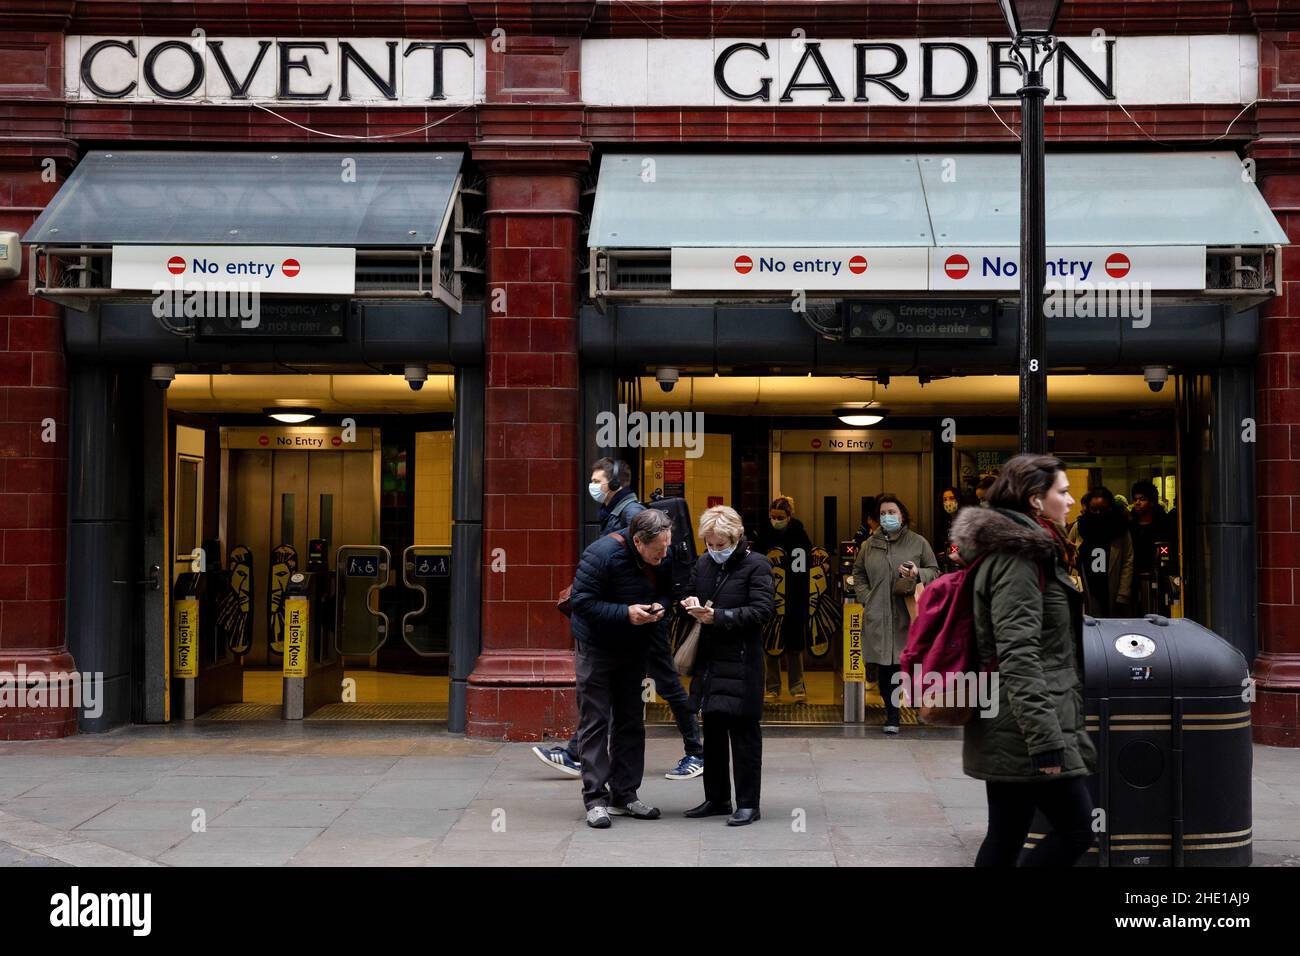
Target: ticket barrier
(313, 671)
(426, 571)
(189, 591)
(204, 673)
(852, 666)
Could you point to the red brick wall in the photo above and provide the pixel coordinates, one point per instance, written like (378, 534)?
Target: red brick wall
(33, 471)
(1277, 670)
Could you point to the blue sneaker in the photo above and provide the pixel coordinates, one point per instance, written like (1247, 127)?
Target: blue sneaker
(557, 758)
(686, 768)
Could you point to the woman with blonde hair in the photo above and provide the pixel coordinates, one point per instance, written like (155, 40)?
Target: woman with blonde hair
(731, 596)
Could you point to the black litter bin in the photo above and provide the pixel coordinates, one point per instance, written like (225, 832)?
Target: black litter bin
(1166, 707)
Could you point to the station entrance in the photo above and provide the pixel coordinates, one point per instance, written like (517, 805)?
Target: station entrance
(765, 437)
(312, 556)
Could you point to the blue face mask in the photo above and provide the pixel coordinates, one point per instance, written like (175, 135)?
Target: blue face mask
(594, 490)
(891, 523)
(722, 556)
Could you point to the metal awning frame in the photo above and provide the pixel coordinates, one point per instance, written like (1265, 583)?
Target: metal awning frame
(1249, 275)
(74, 275)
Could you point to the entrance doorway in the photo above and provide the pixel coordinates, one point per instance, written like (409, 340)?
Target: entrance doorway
(341, 527)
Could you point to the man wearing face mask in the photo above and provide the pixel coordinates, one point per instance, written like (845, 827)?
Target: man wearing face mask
(619, 506)
(610, 486)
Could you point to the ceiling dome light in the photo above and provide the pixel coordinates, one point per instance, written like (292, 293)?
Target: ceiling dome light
(292, 415)
(860, 416)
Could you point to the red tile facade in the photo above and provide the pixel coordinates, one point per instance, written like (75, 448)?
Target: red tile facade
(533, 140)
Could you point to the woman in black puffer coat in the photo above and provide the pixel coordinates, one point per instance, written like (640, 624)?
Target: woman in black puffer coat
(727, 683)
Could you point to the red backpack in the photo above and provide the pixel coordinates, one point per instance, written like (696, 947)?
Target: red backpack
(941, 641)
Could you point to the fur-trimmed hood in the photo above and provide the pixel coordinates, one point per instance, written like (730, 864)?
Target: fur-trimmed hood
(978, 530)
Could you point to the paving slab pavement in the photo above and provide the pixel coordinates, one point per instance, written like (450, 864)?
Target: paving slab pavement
(404, 794)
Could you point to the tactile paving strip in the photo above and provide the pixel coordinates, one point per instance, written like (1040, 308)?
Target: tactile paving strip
(407, 710)
(242, 712)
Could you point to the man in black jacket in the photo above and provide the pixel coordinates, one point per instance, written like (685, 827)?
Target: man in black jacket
(619, 601)
(610, 485)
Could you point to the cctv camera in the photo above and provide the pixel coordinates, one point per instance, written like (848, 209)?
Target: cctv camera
(416, 376)
(667, 378)
(1156, 376)
(162, 375)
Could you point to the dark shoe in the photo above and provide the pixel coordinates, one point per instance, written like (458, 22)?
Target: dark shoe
(709, 809)
(743, 817)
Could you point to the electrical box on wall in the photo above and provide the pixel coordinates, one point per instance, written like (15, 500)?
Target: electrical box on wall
(11, 256)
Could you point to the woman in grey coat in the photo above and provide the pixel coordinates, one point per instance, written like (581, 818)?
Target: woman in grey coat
(889, 566)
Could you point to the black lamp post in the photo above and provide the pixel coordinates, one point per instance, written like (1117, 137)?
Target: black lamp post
(1030, 23)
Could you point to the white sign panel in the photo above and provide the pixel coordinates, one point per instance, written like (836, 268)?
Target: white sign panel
(306, 270)
(293, 71)
(910, 71)
(785, 270)
(967, 269)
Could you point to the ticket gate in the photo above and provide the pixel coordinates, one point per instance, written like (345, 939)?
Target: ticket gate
(313, 669)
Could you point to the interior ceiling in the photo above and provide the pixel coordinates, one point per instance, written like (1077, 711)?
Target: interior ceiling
(332, 394)
(967, 395)
(731, 395)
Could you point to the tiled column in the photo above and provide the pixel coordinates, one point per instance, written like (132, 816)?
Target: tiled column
(34, 474)
(522, 686)
(1277, 668)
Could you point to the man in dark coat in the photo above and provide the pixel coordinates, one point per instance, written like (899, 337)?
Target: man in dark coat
(1150, 524)
(619, 602)
(610, 485)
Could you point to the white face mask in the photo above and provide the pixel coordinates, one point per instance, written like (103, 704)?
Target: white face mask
(595, 491)
(950, 507)
(891, 523)
(722, 556)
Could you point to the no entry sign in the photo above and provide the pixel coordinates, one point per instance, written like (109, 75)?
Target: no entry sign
(788, 269)
(304, 270)
(985, 269)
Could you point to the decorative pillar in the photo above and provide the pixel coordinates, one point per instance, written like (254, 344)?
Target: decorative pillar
(1276, 713)
(34, 159)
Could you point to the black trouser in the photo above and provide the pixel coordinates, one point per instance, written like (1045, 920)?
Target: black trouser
(668, 685)
(1066, 804)
(885, 675)
(745, 739)
(611, 729)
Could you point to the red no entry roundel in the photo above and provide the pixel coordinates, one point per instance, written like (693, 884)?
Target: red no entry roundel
(743, 264)
(1117, 265)
(175, 265)
(816, 443)
(264, 439)
(858, 265)
(956, 266)
(290, 267)
(887, 443)
(336, 441)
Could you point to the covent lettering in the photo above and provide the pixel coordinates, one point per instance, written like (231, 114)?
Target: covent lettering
(811, 72)
(290, 62)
